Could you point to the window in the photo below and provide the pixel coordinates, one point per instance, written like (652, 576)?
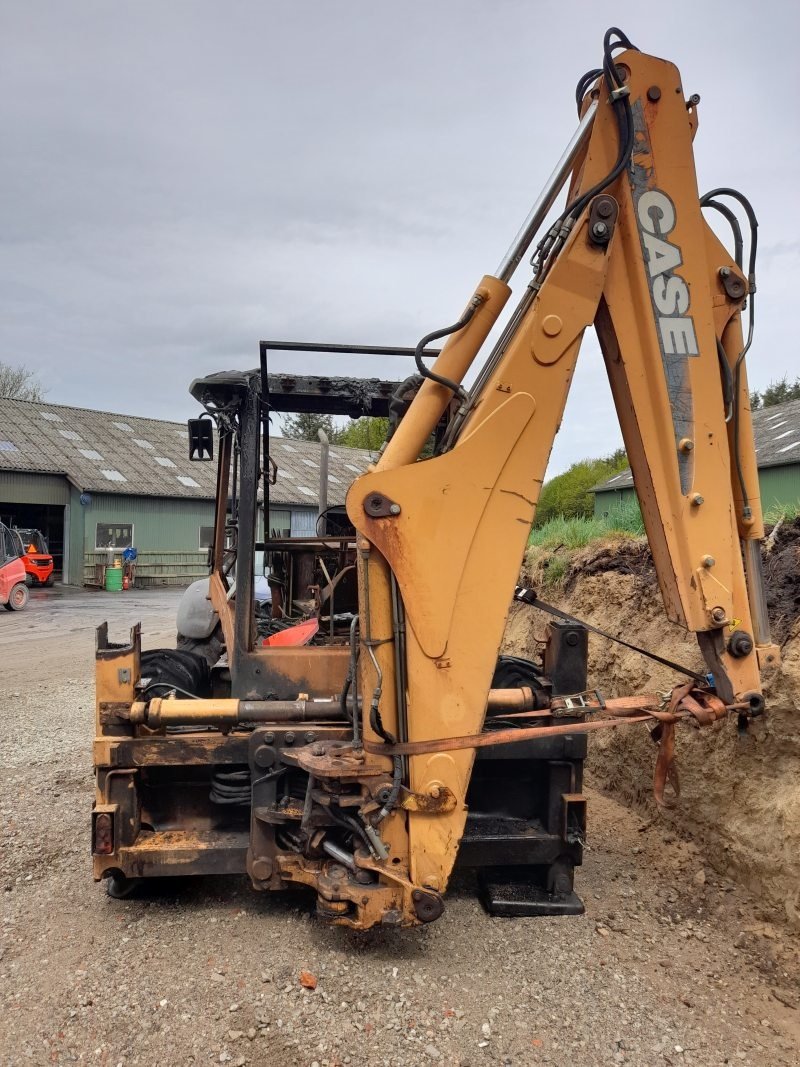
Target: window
(206, 536)
(9, 545)
(113, 535)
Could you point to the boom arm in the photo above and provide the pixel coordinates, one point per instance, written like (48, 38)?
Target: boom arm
(441, 541)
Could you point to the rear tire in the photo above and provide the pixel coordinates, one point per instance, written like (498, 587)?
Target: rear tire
(119, 887)
(17, 598)
(210, 648)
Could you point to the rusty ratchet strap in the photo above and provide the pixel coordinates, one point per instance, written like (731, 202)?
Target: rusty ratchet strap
(614, 712)
(497, 737)
(685, 703)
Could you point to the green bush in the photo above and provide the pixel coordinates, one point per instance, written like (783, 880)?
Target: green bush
(568, 495)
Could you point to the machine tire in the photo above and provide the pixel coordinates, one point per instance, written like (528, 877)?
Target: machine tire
(167, 667)
(118, 887)
(17, 598)
(47, 582)
(209, 648)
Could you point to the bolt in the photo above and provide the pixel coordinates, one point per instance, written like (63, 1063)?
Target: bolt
(394, 509)
(262, 869)
(599, 230)
(289, 738)
(653, 93)
(708, 561)
(697, 500)
(718, 614)
(269, 737)
(724, 272)
(571, 639)
(605, 209)
(686, 444)
(311, 736)
(694, 99)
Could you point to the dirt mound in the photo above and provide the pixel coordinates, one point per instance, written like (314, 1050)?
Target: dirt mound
(740, 795)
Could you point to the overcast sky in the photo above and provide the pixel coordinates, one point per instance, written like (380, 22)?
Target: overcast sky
(181, 179)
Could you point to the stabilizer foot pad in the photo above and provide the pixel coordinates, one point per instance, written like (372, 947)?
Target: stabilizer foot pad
(517, 899)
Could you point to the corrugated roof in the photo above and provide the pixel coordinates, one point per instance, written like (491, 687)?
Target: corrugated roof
(777, 435)
(99, 451)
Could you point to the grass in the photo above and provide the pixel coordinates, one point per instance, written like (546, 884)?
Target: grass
(579, 532)
(778, 512)
(553, 544)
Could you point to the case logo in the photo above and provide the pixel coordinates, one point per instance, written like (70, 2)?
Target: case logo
(671, 300)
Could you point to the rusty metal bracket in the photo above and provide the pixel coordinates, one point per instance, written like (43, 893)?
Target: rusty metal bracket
(439, 801)
(334, 759)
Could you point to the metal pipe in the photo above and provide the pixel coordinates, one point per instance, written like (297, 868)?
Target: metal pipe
(547, 198)
(518, 699)
(324, 453)
(399, 628)
(756, 592)
(165, 711)
(339, 854)
(343, 350)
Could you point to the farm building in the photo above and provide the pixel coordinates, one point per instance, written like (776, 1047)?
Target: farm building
(777, 436)
(95, 482)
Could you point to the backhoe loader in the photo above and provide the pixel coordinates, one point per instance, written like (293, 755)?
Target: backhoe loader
(383, 738)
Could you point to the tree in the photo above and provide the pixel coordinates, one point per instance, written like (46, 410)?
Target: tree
(305, 426)
(19, 383)
(776, 393)
(367, 432)
(568, 494)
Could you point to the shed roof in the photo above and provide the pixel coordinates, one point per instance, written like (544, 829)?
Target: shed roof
(99, 451)
(777, 436)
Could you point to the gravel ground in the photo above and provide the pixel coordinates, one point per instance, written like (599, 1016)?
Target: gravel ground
(670, 964)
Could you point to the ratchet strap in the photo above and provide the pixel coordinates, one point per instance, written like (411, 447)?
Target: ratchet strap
(528, 596)
(685, 703)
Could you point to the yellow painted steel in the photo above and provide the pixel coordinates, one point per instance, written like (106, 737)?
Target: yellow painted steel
(454, 547)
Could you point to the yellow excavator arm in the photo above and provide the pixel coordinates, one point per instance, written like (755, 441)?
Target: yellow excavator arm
(441, 540)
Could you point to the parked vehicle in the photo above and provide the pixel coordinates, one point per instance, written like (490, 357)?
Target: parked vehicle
(13, 590)
(36, 558)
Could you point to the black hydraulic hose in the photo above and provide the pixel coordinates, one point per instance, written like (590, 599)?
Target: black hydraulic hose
(584, 83)
(435, 336)
(727, 382)
(725, 211)
(547, 247)
(745, 204)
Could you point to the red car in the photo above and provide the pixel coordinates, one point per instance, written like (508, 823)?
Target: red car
(36, 558)
(13, 591)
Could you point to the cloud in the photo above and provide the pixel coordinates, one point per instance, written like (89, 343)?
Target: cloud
(181, 180)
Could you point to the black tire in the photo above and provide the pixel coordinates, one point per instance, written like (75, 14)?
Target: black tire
(119, 887)
(165, 668)
(18, 597)
(209, 648)
(48, 581)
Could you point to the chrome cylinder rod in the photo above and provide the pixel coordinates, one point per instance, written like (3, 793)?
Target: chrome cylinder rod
(756, 592)
(547, 198)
